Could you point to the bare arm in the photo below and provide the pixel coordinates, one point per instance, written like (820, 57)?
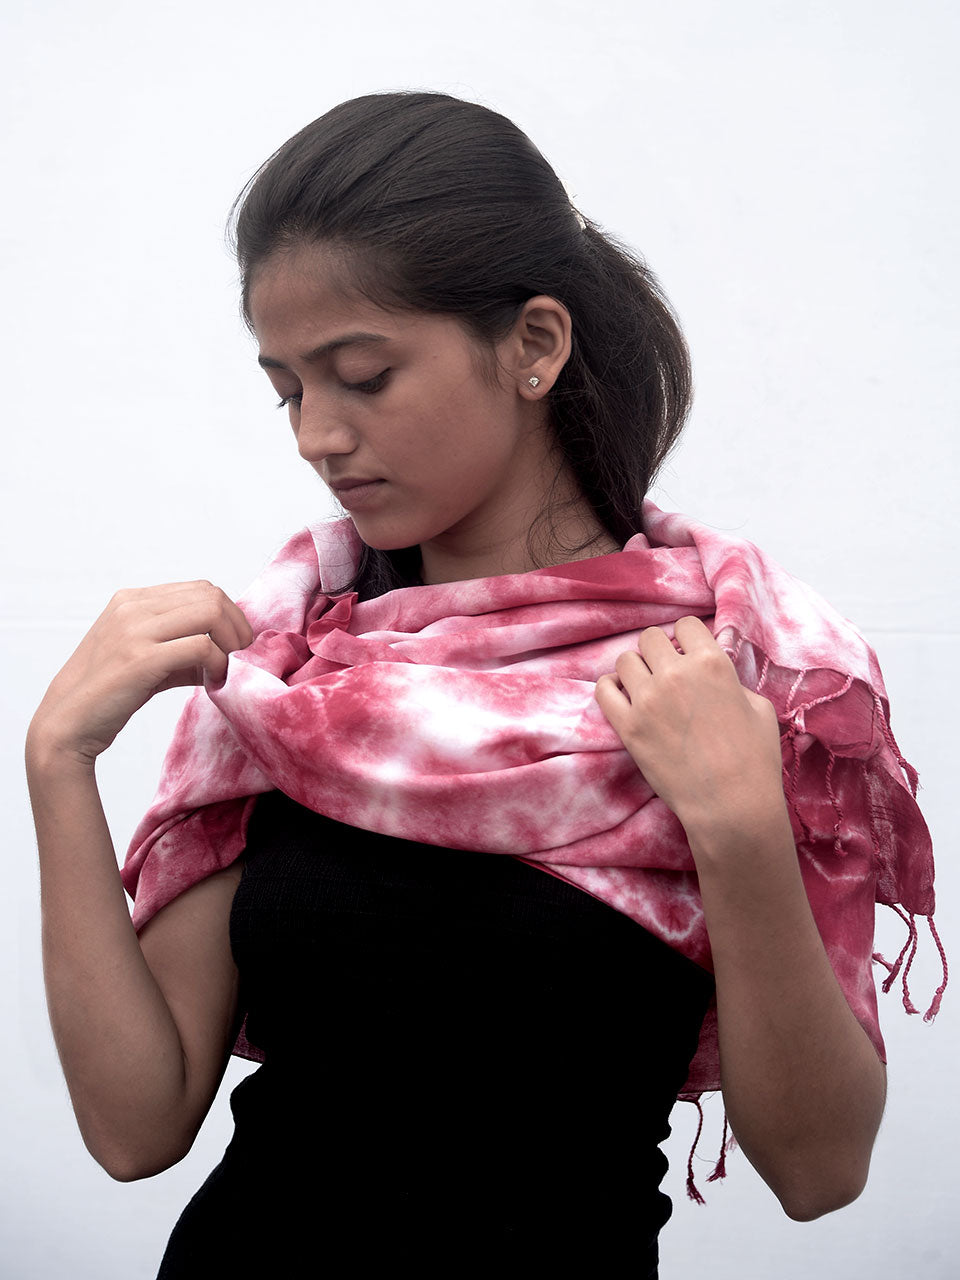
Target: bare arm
(803, 1086)
(143, 1026)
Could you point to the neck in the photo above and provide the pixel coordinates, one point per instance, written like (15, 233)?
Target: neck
(578, 535)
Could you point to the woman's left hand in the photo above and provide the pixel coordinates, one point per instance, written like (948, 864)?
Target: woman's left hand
(802, 1084)
(707, 746)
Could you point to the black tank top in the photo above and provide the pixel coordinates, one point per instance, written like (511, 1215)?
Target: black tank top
(469, 1064)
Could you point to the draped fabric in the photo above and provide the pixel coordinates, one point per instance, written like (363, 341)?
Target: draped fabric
(463, 715)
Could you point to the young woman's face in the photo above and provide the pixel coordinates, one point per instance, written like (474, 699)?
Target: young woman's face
(391, 411)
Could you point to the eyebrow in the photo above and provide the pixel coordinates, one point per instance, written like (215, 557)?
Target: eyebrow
(310, 357)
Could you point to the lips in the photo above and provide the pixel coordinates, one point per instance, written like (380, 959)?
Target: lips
(351, 482)
(355, 491)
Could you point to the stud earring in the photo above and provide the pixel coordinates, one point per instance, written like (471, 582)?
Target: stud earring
(534, 382)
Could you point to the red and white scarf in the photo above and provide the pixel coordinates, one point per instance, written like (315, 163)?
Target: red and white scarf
(463, 715)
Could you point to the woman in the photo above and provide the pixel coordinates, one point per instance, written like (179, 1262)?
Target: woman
(462, 1054)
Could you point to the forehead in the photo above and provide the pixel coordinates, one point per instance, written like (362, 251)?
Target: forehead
(311, 286)
(304, 299)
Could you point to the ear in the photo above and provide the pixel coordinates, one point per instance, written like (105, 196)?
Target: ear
(538, 346)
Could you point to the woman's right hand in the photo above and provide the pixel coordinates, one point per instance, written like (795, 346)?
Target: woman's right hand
(147, 639)
(143, 1043)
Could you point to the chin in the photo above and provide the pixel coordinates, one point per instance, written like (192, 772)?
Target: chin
(380, 540)
(384, 535)
(383, 542)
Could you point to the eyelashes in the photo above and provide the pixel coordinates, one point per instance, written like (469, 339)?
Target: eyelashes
(368, 388)
(371, 386)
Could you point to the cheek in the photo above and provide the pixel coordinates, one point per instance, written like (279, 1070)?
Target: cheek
(454, 433)
(465, 455)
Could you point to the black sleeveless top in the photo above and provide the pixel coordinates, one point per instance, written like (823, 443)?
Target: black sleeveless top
(469, 1064)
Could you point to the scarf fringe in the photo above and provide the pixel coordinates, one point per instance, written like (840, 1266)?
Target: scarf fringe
(908, 952)
(905, 959)
(912, 776)
(692, 1192)
(938, 994)
(797, 726)
(794, 729)
(727, 1143)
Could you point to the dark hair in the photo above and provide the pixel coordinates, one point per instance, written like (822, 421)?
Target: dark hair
(445, 206)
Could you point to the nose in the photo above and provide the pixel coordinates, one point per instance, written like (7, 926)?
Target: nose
(321, 431)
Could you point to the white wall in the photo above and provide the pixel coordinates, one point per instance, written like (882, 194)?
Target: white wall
(788, 171)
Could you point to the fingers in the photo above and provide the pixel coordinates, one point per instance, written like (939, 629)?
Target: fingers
(189, 627)
(655, 653)
(609, 687)
(218, 619)
(190, 658)
(611, 698)
(147, 639)
(176, 610)
(166, 596)
(655, 650)
(693, 633)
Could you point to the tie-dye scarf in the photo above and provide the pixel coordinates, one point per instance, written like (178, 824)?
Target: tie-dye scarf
(463, 715)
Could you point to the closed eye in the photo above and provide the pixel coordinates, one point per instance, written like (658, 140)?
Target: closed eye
(371, 386)
(368, 388)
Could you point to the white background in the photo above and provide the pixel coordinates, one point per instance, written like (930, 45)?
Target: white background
(789, 172)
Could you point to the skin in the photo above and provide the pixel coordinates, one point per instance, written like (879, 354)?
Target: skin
(466, 461)
(803, 1088)
(467, 483)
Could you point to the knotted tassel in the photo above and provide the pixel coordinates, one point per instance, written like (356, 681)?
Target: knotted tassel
(908, 952)
(692, 1191)
(720, 1168)
(938, 994)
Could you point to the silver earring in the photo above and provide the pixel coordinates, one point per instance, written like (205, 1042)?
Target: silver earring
(534, 382)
